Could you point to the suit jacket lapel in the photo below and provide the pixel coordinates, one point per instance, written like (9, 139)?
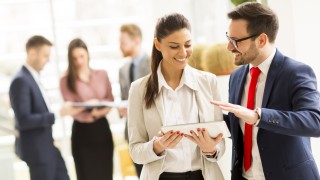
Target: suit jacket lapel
(241, 79)
(272, 74)
(35, 85)
(239, 91)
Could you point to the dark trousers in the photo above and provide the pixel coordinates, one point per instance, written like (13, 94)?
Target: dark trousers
(92, 150)
(138, 168)
(191, 175)
(55, 169)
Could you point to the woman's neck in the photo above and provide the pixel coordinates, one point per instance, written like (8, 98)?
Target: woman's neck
(84, 74)
(171, 75)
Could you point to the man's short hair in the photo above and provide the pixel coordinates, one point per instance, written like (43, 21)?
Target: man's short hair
(260, 18)
(132, 29)
(37, 41)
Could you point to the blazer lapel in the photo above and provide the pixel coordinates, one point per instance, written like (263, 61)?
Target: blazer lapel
(272, 74)
(159, 105)
(200, 105)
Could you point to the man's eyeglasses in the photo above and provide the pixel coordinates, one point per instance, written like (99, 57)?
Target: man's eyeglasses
(235, 41)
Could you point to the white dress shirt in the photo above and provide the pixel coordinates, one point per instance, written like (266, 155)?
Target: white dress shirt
(180, 107)
(255, 172)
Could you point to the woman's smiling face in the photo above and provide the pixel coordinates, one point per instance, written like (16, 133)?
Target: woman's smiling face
(176, 48)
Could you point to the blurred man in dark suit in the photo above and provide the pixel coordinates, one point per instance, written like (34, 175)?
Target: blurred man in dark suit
(33, 117)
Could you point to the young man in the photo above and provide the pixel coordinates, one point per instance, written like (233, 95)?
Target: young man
(274, 109)
(33, 119)
(137, 67)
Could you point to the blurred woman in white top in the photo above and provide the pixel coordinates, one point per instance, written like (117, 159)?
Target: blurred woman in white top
(174, 93)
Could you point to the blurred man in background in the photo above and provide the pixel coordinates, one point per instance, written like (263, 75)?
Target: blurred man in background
(137, 67)
(33, 117)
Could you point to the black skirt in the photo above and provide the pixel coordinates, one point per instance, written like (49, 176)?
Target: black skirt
(92, 150)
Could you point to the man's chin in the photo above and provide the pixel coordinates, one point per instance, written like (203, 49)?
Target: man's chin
(238, 62)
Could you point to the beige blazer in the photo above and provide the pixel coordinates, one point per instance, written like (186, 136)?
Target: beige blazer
(144, 124)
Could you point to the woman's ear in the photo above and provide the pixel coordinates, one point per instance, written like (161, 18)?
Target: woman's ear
(157, 44)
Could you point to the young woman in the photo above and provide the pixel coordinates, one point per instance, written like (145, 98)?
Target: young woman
(92, 145)
(174, 93)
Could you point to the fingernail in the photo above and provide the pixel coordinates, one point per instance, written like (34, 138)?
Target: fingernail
(191, 132)
(171, 132)
(181, 134)
(198, 129)
(203, 129)
(178, 132)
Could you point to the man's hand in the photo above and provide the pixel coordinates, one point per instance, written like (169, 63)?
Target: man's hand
(248, 115)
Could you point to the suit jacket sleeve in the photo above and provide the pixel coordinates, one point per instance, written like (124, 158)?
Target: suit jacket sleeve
(141, 148)
(304, 117)
(22, 102)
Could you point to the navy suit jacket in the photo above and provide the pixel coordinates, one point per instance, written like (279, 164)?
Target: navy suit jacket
(33, 120)
(290, 115)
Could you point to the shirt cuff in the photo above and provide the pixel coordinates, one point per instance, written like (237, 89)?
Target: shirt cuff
(258, 111)
(56, 115)
(152, 154)
(213, 158)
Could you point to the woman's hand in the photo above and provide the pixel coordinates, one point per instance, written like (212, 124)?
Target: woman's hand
(202, 138)
(167, 140)
(122, 112)
(98, 113)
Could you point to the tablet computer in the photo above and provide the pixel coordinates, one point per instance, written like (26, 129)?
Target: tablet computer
(90, 106)
(214, 128)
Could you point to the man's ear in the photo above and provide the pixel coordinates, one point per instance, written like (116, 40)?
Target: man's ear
(31, 53)
(157, 44)
(263, 39)
(137, 41)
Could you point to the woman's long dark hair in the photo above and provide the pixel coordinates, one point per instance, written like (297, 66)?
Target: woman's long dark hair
(165, 26)
(72, 72)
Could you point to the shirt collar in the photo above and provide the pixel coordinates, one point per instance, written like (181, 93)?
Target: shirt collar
(33, 72)
(138, 59)
(265, 65)
(187, 79)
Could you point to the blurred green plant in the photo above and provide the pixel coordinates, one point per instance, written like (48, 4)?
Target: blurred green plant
(237, 2)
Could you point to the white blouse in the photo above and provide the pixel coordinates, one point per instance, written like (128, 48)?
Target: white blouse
(180, 107)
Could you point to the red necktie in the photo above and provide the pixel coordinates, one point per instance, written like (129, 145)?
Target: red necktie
(248, 128)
